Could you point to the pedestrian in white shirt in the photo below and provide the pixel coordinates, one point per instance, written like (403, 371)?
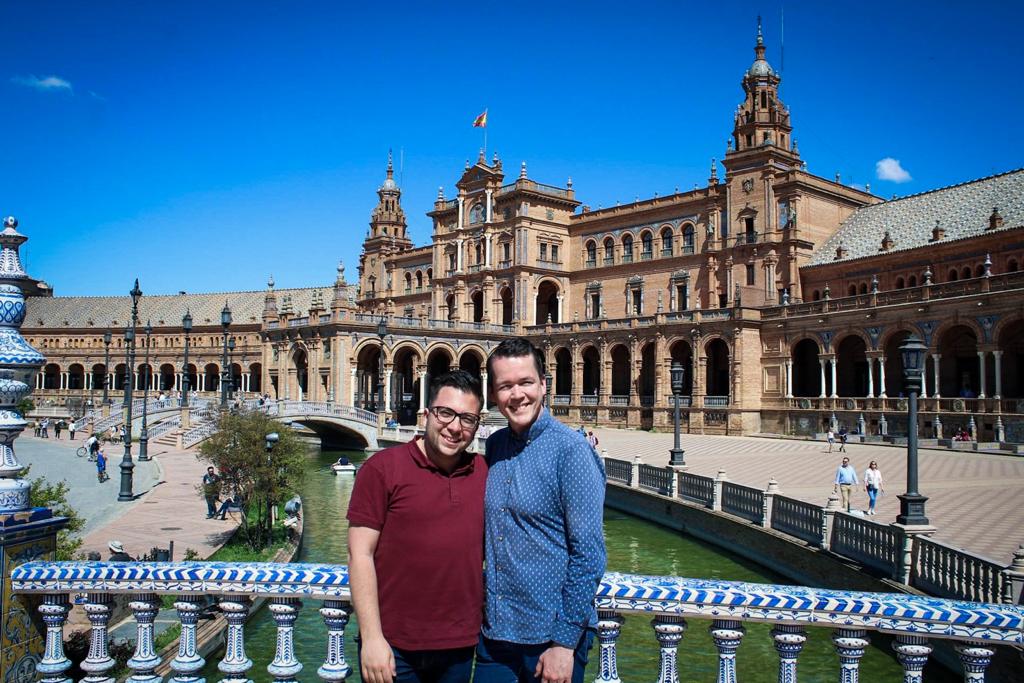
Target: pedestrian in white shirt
(872, 484)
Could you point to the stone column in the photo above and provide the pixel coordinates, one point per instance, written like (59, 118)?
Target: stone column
(459, 225)
(487, 250)
(458, 255)
(998, 355)
(821, 362)
(789, 378)
(835, 393)
(387, 388)
(881, 377)
(483, 387)
(490, 212)
(936, 359)
(871, 377)
(981, 368)
(353, 372)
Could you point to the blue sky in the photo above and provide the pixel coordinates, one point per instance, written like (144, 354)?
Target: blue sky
(202, 146)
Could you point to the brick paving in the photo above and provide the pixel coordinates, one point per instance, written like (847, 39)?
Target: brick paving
(976, 500)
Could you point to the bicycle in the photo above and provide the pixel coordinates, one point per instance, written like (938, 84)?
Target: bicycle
(82, 450)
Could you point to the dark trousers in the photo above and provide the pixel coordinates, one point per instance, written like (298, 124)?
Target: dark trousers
(501, 662)
(432, 666)
(211, 506)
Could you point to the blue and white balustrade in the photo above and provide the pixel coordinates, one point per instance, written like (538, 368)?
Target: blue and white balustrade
(671, 603)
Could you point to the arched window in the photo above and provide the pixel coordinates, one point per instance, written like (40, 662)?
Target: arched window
(430, 274)
(979, 271)
(853, 290)
(1011, 266)
(952, 275)
(666, 241)
(646, 246)
(419, 279)
(609, 251)
(591, 254)
(965, 273)
(863, 288)
(408, 282)
(627, 249)
(687, 239)
(816, 295)
(899, 283)
(913, 281)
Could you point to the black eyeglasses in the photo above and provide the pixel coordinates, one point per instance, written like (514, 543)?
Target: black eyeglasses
(445, 415)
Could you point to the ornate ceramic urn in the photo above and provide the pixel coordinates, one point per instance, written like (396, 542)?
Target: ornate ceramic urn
(19, 364)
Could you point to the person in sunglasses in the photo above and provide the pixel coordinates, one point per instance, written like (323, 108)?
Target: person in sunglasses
(415, 545)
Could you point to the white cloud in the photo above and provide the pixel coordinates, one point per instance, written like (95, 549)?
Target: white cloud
(890, 169)
(47, 83)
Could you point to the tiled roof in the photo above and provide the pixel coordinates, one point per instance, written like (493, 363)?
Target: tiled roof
(163, 309)
(961, 210)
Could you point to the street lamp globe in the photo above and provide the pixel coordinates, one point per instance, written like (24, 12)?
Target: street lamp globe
(382, 327)
(108, 337)
(135, 294)
(271, 439)
(186, 321)
(225, 316)
(912, 352)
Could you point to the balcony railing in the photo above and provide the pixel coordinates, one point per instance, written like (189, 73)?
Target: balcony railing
(609, 261)
(666, 252)
(507, 263)
(646, 256)
(590, 263)
(716, 401)
(976, 629)
(627, 258)
(561, 399)
(588, 400)
(622, 400)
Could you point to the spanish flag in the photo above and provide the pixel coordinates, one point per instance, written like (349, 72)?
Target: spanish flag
(480, 121)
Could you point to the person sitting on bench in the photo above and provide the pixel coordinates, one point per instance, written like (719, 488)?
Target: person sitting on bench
(229, 504)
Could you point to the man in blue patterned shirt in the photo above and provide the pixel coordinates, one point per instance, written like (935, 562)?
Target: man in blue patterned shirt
(544, 543)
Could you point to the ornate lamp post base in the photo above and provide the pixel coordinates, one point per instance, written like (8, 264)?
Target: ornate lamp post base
(912, 510)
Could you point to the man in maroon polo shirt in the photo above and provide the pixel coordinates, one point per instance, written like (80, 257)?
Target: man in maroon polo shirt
(415, 545)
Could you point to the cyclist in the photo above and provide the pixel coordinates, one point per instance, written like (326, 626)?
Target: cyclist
(93, 445)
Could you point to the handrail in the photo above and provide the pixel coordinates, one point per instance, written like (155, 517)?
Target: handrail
(976, 627)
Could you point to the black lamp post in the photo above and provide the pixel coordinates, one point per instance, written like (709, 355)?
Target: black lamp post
(549, 385)
(912, 502)
(677, 454)
(225, 322)
(382, 331)
(127, 465)
(144, 433)
(186, 324)
(108, 337)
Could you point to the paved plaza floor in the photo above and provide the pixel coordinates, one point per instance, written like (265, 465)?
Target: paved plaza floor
(976, 500)
(167, 505)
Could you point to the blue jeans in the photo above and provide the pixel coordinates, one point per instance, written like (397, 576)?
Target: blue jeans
(501, 662)
(431, 666)
(872, 497)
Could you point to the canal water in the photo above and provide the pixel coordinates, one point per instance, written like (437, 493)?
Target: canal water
(634, 546)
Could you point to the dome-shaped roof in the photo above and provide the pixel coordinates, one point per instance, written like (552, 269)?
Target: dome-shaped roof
(760, 67)
(389, 184)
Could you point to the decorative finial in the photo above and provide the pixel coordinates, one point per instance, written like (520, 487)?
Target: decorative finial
(760, 35)
(522, 171)
(391, 165)
(480, 158)
(494, 159)
(270, 282)
(11, 223)
(928, 275)
(440, 193)
(874, 284)
(828, 292)
(988, 265)
(785, 296)
(568, 183)
(714, 169)
(467, 164)
(341, 271)
(994, 221)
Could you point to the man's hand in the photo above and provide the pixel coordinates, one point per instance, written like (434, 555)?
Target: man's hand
(377, 661)
(555, 665)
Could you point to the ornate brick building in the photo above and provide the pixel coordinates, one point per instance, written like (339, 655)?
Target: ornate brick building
(784, 295)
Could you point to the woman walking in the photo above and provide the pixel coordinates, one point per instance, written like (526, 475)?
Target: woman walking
(872, 484)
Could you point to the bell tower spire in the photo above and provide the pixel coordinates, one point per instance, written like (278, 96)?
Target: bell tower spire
(761, 121)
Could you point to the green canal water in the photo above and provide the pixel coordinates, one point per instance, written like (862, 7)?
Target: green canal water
(634, 546)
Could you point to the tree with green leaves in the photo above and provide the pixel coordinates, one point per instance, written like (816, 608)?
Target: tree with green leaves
(255, 478)
(43, 494)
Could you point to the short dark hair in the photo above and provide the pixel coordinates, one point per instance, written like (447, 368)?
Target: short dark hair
(516, 347)
(456, 379)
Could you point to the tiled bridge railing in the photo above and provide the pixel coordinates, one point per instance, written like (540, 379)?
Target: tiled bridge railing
(977, 628)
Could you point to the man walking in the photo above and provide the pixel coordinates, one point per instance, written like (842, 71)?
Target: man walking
(544, 543)
(211, 489)
(415, 540)
(846, 478)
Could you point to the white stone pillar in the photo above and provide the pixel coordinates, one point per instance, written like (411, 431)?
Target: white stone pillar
(871, 377)
(458, 256)
(483, 383)
(835, 393)
(998, 355)
(487, 250)
(63, 380)
(981, 368)
(245, 381)
(881, 377)
(490, 211)
(352, 386)
(387, 390)
(789, 378)
(924, 377)
(460, 213)
(201, 376)
(561, 318)
(936, 358)
(821, 362)
(423, 390)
